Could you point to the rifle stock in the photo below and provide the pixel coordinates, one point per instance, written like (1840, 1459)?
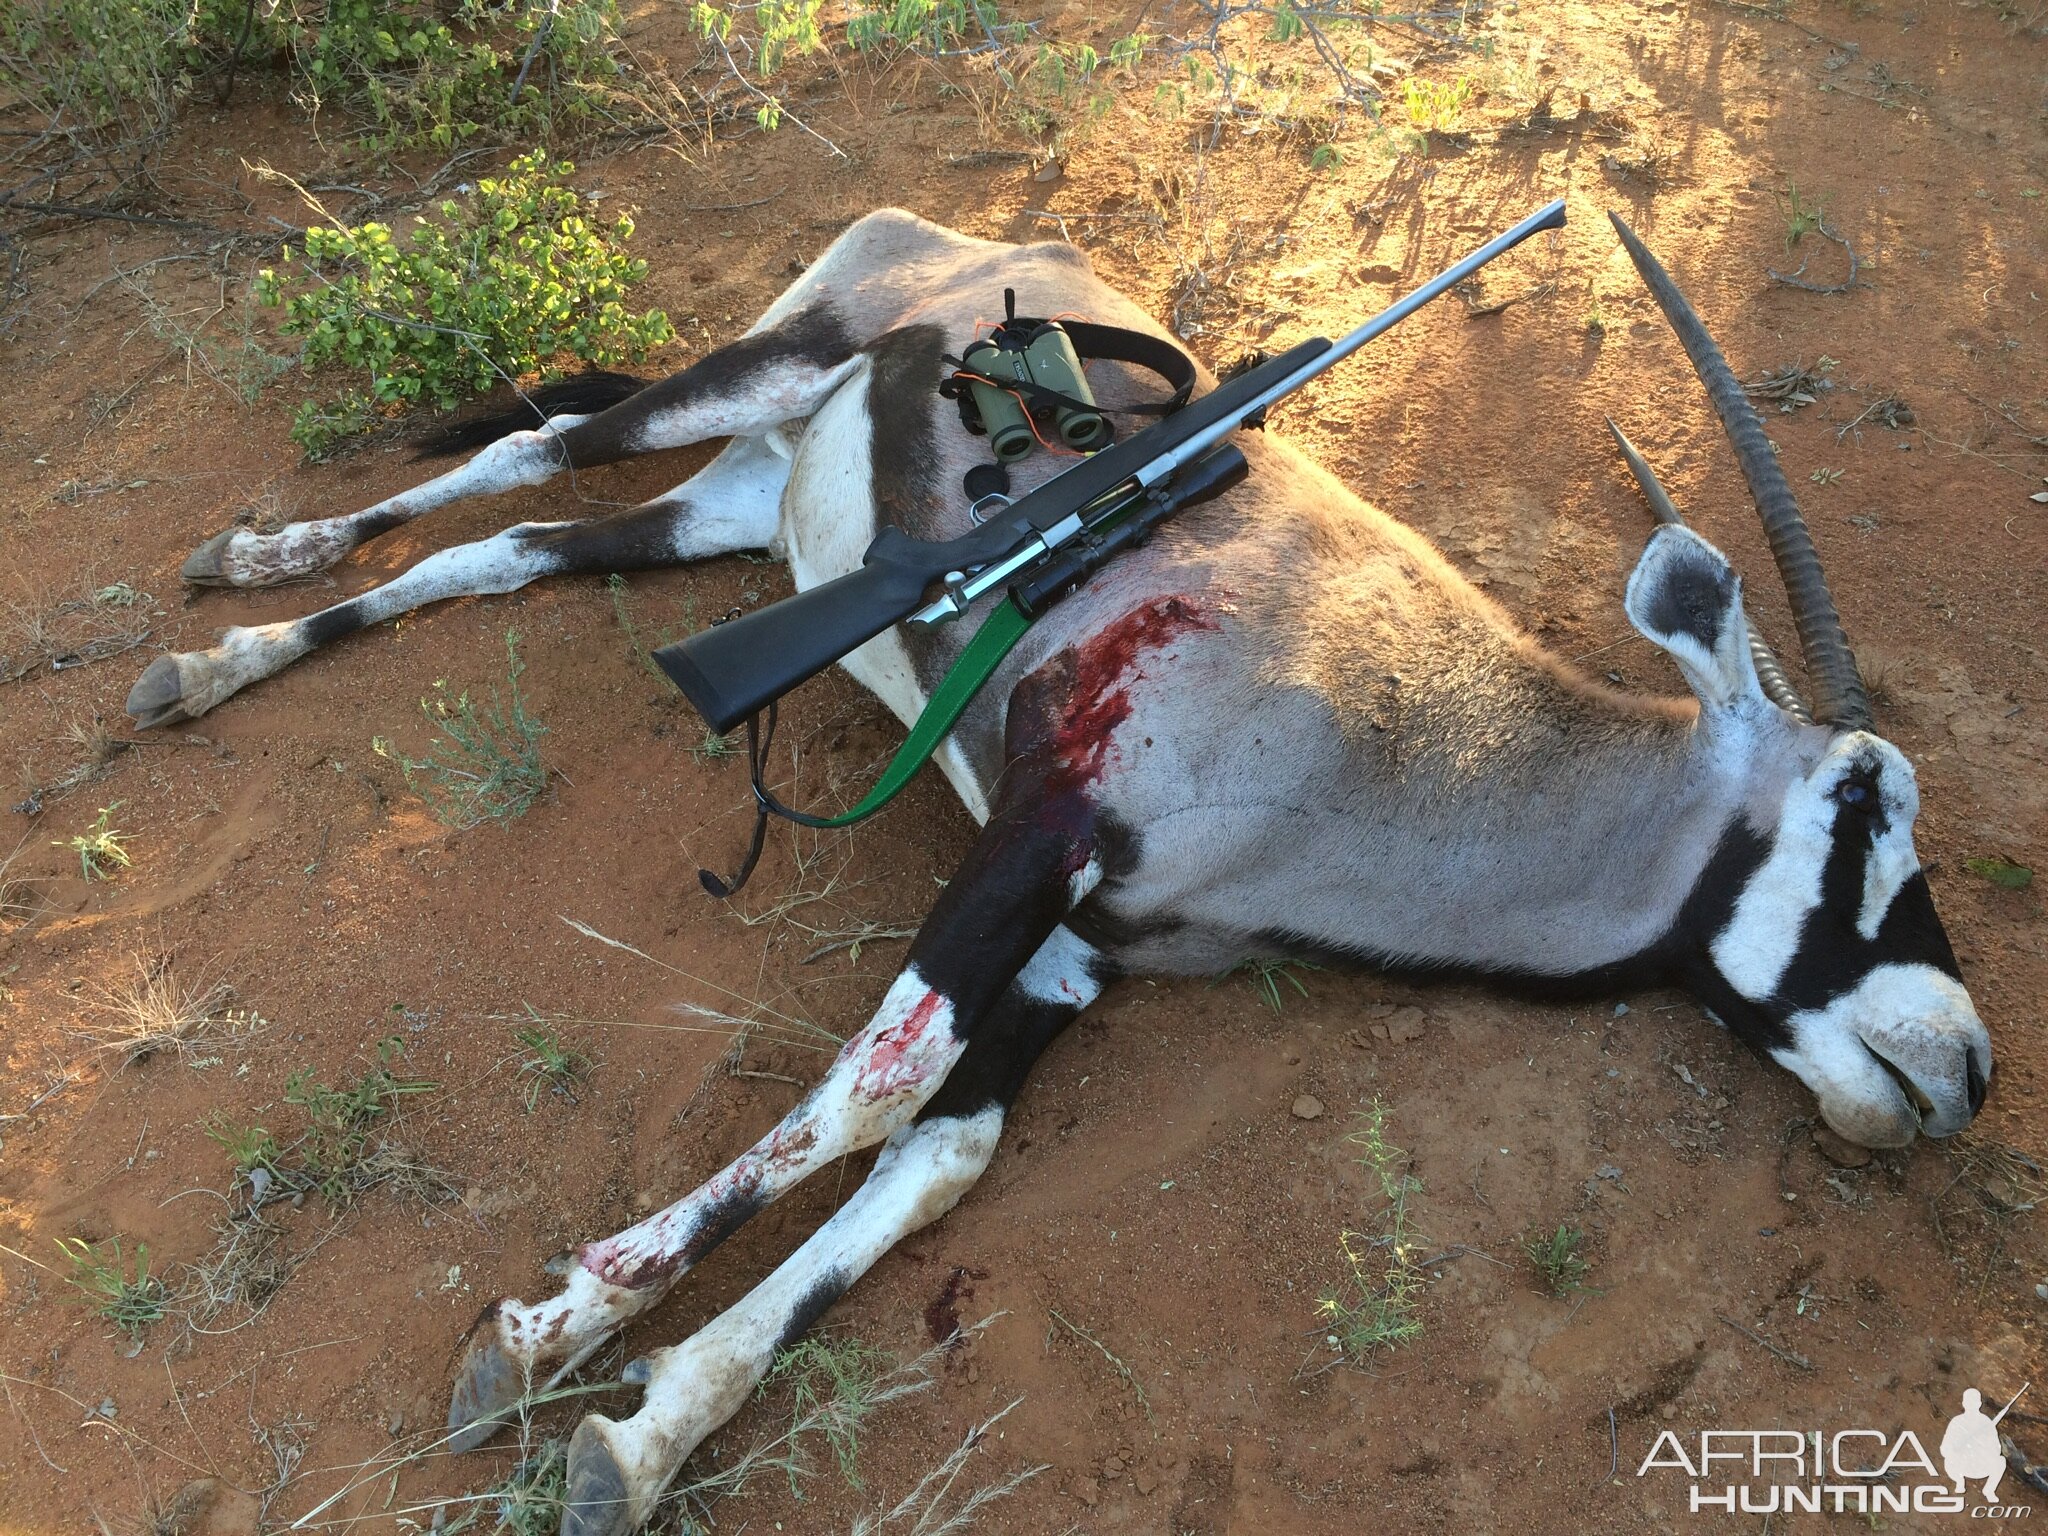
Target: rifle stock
(738, 668)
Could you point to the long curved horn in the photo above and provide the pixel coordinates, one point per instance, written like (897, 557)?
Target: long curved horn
(1840, 698)
(1770, 675)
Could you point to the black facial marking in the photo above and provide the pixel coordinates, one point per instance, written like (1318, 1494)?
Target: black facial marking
(1693, 599)
(1860, 796)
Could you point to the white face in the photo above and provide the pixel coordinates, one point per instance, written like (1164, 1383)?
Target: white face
(1835, 946)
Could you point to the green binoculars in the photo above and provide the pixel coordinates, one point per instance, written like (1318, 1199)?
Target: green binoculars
(1045, 359)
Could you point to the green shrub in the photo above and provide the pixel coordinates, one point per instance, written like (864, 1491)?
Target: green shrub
(410, 72)
(514, 279)
(113, 69)
(415, 75)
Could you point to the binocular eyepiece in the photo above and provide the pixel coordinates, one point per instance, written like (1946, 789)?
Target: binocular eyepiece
(1044, 357)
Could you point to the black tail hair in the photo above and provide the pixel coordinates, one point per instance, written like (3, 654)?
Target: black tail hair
(582, 394)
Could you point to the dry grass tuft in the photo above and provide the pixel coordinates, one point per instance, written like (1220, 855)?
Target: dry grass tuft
(246, 1267)
(155, 1013)
(41, 630)
(20, 902)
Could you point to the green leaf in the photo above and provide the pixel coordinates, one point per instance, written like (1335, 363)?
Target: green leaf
(2001, 872)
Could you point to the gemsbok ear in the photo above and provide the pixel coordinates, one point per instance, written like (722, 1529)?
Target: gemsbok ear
(1685, 597)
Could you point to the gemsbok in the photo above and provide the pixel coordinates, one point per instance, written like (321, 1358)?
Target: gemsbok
(1283, 727)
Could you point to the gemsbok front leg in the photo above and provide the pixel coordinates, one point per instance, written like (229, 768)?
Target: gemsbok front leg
(769, 376)
(980, 942)
(731, 504)
(619, 1467)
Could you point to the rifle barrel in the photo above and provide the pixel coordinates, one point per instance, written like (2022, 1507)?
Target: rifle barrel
(1550, 216)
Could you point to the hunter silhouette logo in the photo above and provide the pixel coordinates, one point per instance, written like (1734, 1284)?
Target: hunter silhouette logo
(1970, 1451)
(1844, 1471)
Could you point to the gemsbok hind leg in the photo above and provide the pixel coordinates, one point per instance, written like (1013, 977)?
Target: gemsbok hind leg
(731, 504)
(619, 1467)
(771, 375)
(991, 963)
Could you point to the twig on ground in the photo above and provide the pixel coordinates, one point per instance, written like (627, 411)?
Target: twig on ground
(1797, 279)
(1791, 1357)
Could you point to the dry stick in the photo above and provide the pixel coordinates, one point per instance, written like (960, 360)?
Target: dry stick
(76, 211)
(227, 86)
(1863, 415)
(540, 41)
(1794, 279)
(1791, 1357)
(1130, 1379)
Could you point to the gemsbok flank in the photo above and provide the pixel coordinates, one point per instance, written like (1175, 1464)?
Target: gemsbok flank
(1283, 727)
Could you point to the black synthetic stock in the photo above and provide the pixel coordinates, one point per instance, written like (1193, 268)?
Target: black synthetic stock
(740, 667)
(735, 669)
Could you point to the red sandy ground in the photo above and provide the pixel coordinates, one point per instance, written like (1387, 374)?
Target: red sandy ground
(1153, 1187)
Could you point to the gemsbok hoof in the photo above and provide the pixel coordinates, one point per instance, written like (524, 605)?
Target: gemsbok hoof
(489, 1382)
(600, 1501)
(174, 689)
(209, 565)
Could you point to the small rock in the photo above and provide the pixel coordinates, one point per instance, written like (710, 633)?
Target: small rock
(973, 1373)
(1087, 1490)
(1308, 1107)
(1291, 1057)
(2041, 1290)
(106, 1409)
(1050, 171)
(1609, 1172)
(395, 1423)
(1379, 1031)
(1379, 274)
(1839, 1150)
(1404, 1025)
(643, 1199)
(1621, 1010)
(1146, 1478)
(1113, 1466)
(1668, 1412)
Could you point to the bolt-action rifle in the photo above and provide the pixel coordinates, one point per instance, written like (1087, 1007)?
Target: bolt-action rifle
(1042, 545)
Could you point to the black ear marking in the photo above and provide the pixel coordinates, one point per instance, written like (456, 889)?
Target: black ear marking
(1695, 601)
(1685, 597)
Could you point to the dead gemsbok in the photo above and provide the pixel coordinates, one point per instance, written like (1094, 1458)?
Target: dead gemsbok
(1283, 727)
